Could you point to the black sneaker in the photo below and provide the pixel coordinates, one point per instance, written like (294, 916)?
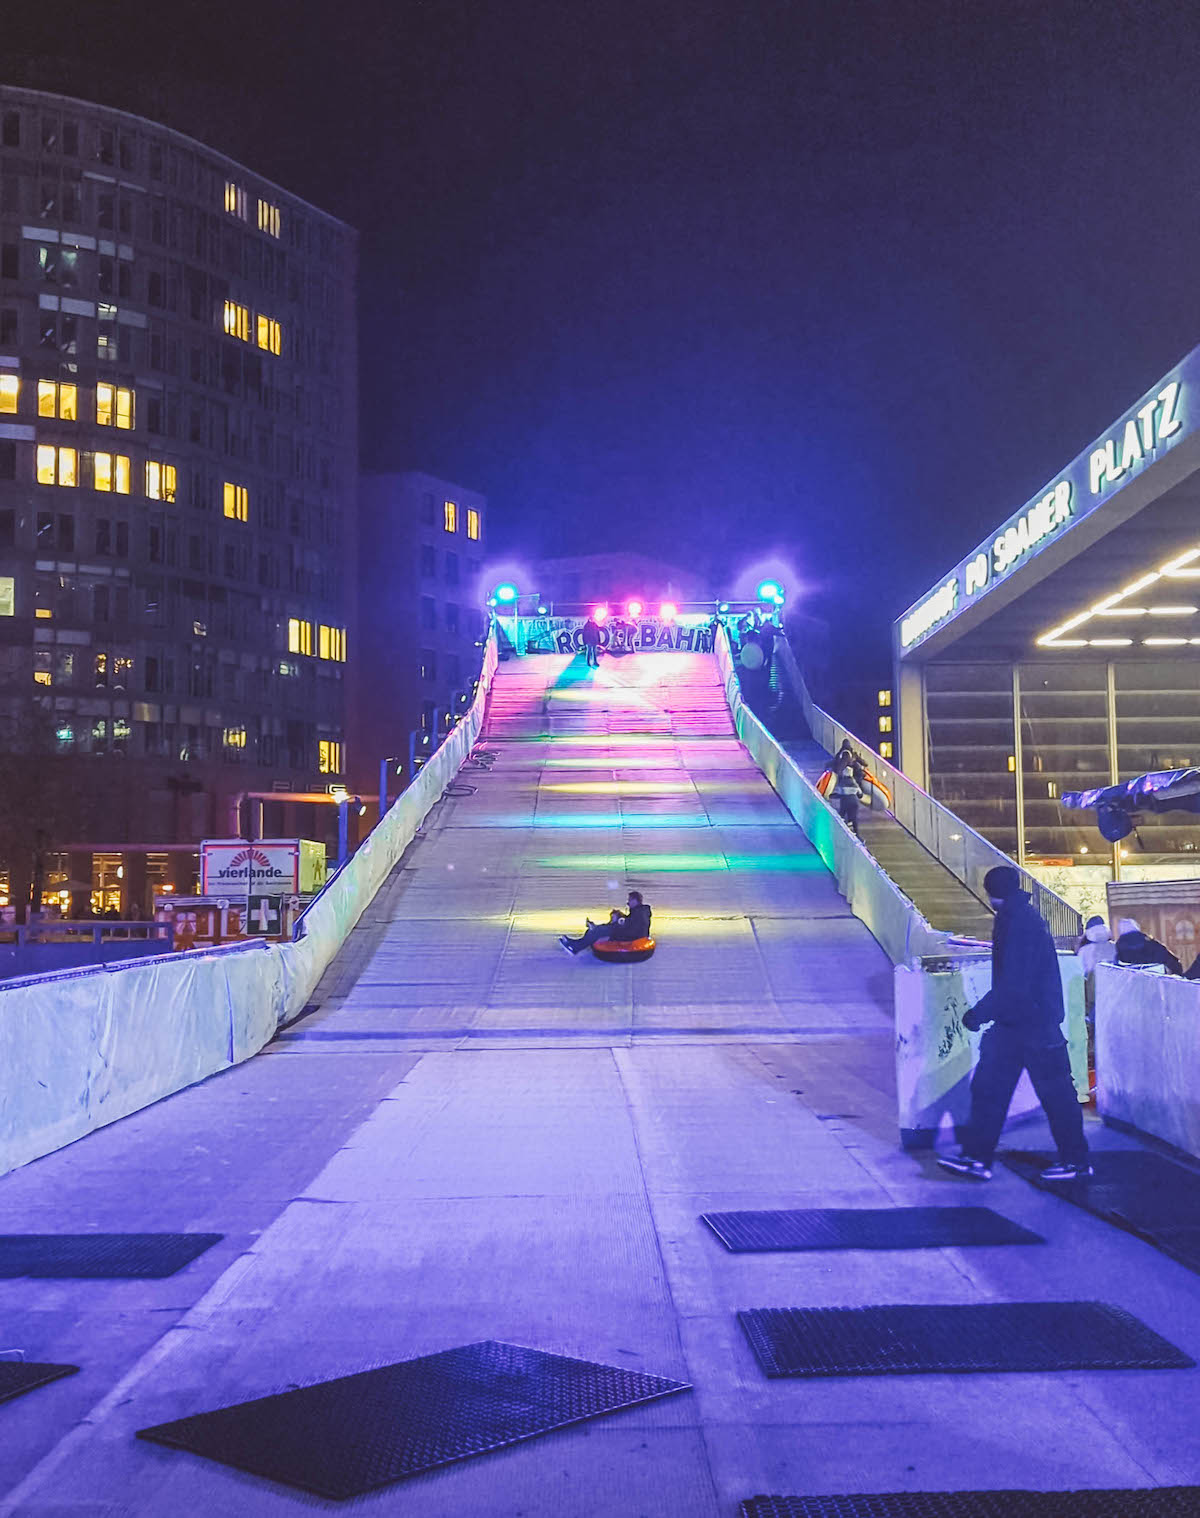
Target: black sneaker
(963, 1164)
(566, 945)
(1061, 1171)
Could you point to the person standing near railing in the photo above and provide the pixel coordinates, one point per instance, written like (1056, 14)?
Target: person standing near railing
(846, 791)
(1025, 1010)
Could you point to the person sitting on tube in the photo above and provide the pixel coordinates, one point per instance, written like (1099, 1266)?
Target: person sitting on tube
(621, 927)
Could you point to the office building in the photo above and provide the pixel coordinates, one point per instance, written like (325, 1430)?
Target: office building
(422, 615)
(178, 466)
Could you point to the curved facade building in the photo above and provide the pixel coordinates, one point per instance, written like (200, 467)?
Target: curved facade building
(178, 463)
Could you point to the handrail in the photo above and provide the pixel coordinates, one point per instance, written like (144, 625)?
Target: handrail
(965, 853)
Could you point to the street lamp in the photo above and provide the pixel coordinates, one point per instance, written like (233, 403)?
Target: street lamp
(383, 780)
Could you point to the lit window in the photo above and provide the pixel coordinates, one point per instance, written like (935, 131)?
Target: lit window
(885, 724)
(268, 218)
(450, 516)
(234, 737)
(270, 334)
(331, 643)
(1012, 764)
(160, 481)
(237, 502)
(885, 698)
(885, 750)
(57, 466)
(329, 757)
(237, 320)
(42, 677)
(114, 406)
(235, 199)
(110, 471)
(10, 392)
(299, 636)
(55, 400)
(472, 523)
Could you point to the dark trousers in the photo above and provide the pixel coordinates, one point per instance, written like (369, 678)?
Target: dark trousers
(592, 652)
(848, 808)
(1002, 1056)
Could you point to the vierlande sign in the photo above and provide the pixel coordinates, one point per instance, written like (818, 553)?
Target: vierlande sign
(1148, 430)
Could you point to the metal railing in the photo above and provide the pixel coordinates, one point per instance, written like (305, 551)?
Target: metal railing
(966, 854)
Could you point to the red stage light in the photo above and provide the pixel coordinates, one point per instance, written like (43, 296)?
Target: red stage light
(635, 608)
(669, 611)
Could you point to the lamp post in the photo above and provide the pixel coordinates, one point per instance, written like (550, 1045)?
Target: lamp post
(383, 780)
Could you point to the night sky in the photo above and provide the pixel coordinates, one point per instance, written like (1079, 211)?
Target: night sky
(847, 282)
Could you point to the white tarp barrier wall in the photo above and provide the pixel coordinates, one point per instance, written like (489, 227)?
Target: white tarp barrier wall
(896, 923)
(81, 1049)
(935, 1055)
(1148, 1053)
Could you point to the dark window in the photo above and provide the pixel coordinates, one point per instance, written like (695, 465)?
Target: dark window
(66, 534)
(49, 133)
(428, 664)
(124, 276)
(428, 560)
(451, 569)
(428, 612)
(8, 525)
(155, 289)
(453, 669)
(151, 676)
(127, 152)
(428, 509)
(106, 145)
(100, 603)
(103, 535)
(104, 209)
(105, 269)
(72, 202)
(122, 549)
(156, 160)
(154, 414)
(10, 131)
(8, 261)
(70, 138)
(8, 461)
(451, 617)
(155, 543)
(45, 529)
(8, 324)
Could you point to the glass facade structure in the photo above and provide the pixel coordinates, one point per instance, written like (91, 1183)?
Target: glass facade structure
(177, 484)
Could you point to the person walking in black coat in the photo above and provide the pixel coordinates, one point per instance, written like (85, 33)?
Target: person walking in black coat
(1025, 1009)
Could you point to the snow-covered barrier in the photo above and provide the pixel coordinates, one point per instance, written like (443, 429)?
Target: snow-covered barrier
(82, 1048)
(1148, 1053)
(936, 1056)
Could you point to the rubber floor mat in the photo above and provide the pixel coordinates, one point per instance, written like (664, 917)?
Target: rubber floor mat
(1135, 1502)
(344, 1437)
(865, 1228)
(18, 1376)
(1146, 1194)
(985, 1336)
(100, 1256)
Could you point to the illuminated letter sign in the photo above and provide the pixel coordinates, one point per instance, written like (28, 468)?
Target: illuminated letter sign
(942, 603)
(1042, 518)
(1128, 447)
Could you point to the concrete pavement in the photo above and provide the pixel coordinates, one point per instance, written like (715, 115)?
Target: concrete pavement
(475, 1136)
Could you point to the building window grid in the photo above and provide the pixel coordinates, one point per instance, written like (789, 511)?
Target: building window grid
(269, 334)
(236, 502)
(110, 471)
(331, 643)
(114, 406)
(57, 466)
(58, 399)
(236, 200)
(269, 219)
(160, 480)
(300, 636)
(237, 320)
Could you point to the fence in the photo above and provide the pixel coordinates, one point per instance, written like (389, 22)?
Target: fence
(82, 1048)
(966, 854)
(27, 949)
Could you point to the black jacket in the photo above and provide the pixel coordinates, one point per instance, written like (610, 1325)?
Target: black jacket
(1141, 949)
(1026, 995)
(634, 924)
